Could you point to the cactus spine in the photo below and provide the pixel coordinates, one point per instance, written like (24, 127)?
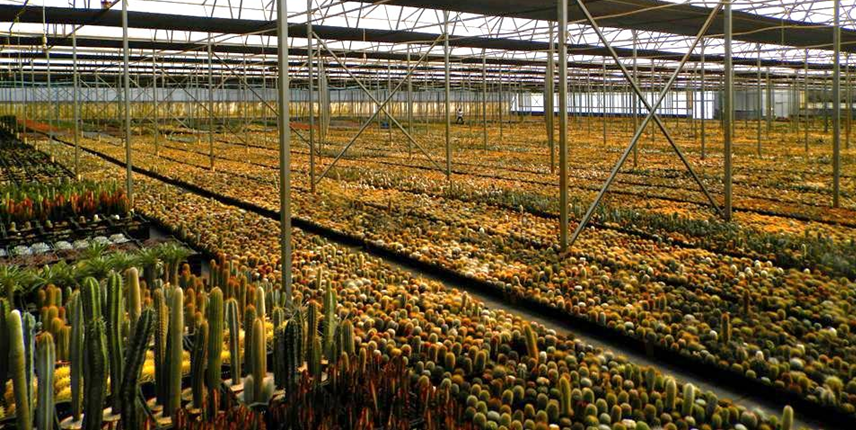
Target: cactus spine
(137, 345)
(95, 356)
(17, 359)
(174, 351)
(234, 340)
(161, 326)
(197, 363)
(215, 345)
(115, 315)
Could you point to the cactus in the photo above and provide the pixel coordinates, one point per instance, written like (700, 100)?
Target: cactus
(347, 338)
(261, 311)
(279, 348)
(214, 369)
(311, 324)
(725, 328)
(314, 360)
(29, 324)
(197, 363)
(565, 391)
(76, 353)
(531, 341)
(259, 359)
(17, 360)
(293, 359)
(95, 356)
(5, 310)
(689, 400)
(234, 322)
(175, 348)
(135, 306)
(45, 366)
(249, 320)
(671, 394)
(137, 344)
(161, 327)
(747, 300)
(787, 418)
(330, 323)
(115, 316)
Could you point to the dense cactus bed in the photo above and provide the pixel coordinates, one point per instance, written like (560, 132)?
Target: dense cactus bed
(385, 348)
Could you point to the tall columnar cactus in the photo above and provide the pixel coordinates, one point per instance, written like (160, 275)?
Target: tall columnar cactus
(279, 356)
(234, 321)
(787, 418)
(291, 352)
(725, 328)
(76, 353)
(347, 338)
(115, 317)
(249, 320)
(174, 351)
(161, 328)
(330, 322)
(689, 400)
(134, 359)
(95, 356)
(259, 359)
(17, 360)
(531, 341)
(197, 363)
(261, 311)
(135, 304)
(297, 319)
(314, 359)
(565, 391)
(671, 394)
(29, 323)
(5, 310)
(311, 323)
(214, 370)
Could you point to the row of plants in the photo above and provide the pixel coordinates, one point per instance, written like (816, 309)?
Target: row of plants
(464, 364)
(57, 201)
(20, 163)
(474, 239)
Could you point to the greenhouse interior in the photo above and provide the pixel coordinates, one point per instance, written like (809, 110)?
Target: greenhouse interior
(409, 214)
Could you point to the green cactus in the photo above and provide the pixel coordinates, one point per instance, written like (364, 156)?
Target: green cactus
(566, 402)
(5, 310)
(725, 328)
(234, 322)
(95, 356)
(311, 324)
(261, 311)
(115, 317)
(214, 369)
(689, 400)
(314, 359)
(671, 394)
(747, 301)
(299, 347)
(17, 360)
(531, 341)
(480, 362)
(197, 363)
(76, 353)
(259, 359)
(161, 326)
(175, 347)
(347, 338)
(134, 359)
(787, 418)
(330, 323)
(279, 348)
(29, 323)
(292, 350)
(249, 320)
(135, 305)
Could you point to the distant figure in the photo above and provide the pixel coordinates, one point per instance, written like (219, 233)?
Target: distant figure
(106, 4)
(460, 119)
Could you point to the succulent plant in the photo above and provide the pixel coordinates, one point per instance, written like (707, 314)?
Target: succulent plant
(198, 363)
(76, 352)
(234, 321)
(175, 348)
(115, 317)
(161, 333)
(95, 356)
(136, 354)
(213, 376)
(18, 367)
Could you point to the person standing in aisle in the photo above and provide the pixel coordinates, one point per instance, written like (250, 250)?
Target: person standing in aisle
(460, 119)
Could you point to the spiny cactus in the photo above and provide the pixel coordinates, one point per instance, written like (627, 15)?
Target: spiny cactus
(747, 301)
(671, 394)
(134, 359)
(5, 310)
(135, 304)
(95, 356)
(259, 358)
(531, 341)
(725, 328)
(689, 400)
(115, 318)
(565, 391)
(17, 360)
(76, 354)
(787, 418)
(197, 363)
(292, 350)
(330, 323)
(314, 359)
(29, 323)
(161, 327)
(45, 366)
(215, 345)
(234, 321)
(249, 320)
(311, 323)
(347, 338)
(175, 347)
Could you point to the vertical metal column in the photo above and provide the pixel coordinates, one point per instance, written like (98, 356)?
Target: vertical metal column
(805, 95)
(760, 101)
(771, 112)
(703, 102)
(484, 100)
(448, 106)
(727, 109)
(849, 98)
(563, 124)
(633, 99)
(129, 180)
(409, 106)
(603, 99)
(311, 101)
(548, 101)
(836, 105)
(210, 103)
(155, 103)
(500, 99)
(284, 148)
(75, 107)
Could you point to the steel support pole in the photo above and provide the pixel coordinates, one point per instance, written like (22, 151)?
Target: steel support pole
(129, 180)
(849, 97)
(805, 95)
(727, 109)
(771, 112)
(210, 103)
(836, 105)
(156, 136)
(446, 101)
(703, 103)
(633, 101)
(563, 124)
(76, 107)
(409, 106)
(284, 149)
(603, 99)
(760, 101)
(548, 101)
(311, 97)
(484, 100)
